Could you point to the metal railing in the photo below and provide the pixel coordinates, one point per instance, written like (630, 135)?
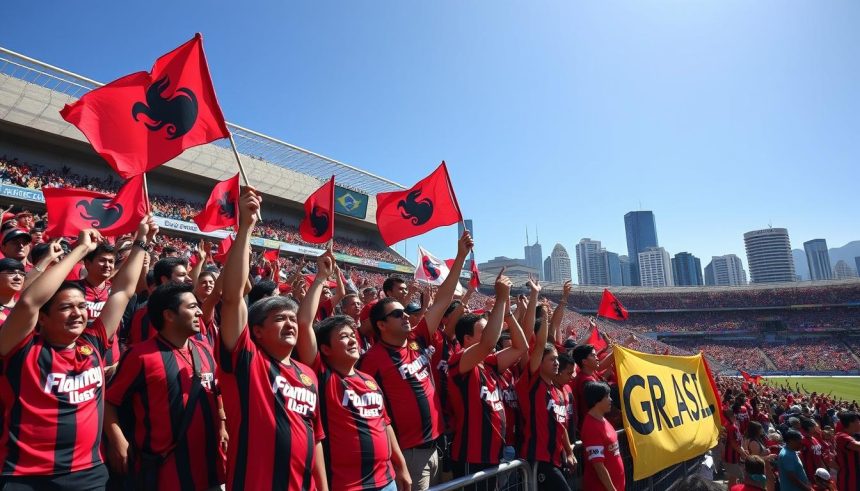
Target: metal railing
(249, 142)
(504, 472)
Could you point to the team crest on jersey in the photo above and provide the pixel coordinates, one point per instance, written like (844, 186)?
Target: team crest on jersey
(306, 380)
(413, 346)
(85, 350)
(371, 384)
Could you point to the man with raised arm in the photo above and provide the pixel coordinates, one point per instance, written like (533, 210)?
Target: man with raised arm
(473, 386)
(271, 401)
(53, 383)
(360, 448)
(400, 364)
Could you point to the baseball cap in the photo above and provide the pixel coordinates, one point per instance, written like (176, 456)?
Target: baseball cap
(14, 233)
(39, 226)
(822, 473)
(412, 308)
(9, 264)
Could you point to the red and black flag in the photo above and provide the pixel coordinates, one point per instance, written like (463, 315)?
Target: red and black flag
(72, 210)
(756, 379)
(475, 280)
(142, 120)
(223, 249)
(221, 210)
(611, 308)
(427, 205)
(598, 340)
(318, 223)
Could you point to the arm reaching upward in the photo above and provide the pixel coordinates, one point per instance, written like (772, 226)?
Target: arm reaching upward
(476, 353)
(234, 312)
(446, 290)
(306, 345)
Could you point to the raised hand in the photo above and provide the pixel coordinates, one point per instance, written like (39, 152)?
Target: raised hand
(534, 284)
(565, 290)
(502, 287)
(90, 238)
(465, 244)
(249, 206)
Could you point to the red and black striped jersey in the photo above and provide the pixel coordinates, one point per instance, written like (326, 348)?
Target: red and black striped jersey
(443, 348)
(570, 406)
(507, 386)
(96, 299)
(52, 405)
(733, 436)
(477, 410)
(811, 456)
(141, 329)
(578, 383)
(406, 378)
(273, 418)
(543, 418)
(357, 451)
(4, 313)
(152, 383)
(847, 479)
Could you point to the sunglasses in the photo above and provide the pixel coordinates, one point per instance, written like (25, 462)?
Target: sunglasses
(15, 272)
(396, 313)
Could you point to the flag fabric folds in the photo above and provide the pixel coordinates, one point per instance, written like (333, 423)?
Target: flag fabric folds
(72, 210)
(429, 204)
(223, 249)
(433, 271)
(271, 255)
(598, 340)
(317, 226)
(611, 308)
(475, 280)
(144, 119)
(221, 210)
(755, 379)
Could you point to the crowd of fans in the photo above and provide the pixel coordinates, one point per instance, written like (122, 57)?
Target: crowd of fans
(803, 354)
(34, 176)
(807, 320)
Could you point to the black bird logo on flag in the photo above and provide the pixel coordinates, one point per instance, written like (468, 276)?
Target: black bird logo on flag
(430, 268)
(227, 206)
(101, 213)
(319, 221)
(176, 114)
(416, 211)
(617, 308)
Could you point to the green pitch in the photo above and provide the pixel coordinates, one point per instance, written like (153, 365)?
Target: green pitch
(846, 387)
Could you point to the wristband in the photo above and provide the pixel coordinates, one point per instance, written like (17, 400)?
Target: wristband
(143, 245)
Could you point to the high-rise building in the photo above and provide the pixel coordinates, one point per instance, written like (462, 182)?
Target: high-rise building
(687, 270)
(613, 267)
(842, 271)
(626, 270)
(857, 263)
(655, 267)
(769, 255)
(818, 259)
(534, 255)
(547, 269)
(468, 264)
(641, 230)
(515, 269)
(725, 270)
(591, 267)
(560, 264)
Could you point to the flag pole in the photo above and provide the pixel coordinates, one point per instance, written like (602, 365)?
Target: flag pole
(146, 193)
(241, 167)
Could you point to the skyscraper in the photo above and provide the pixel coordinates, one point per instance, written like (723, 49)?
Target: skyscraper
(725, 270)
(560, 264)
(655, 267)
(613, 267)
(842, 271)
(857, 263)
(591, 267)
(534, 255)
(818, 259)
(641, 232)
(626, 270)
(547, 269)
(769, 255)
(687, 270)
(468, 264)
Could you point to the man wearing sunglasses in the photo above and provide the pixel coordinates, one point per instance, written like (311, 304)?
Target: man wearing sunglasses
(400, 363)
(11, 283)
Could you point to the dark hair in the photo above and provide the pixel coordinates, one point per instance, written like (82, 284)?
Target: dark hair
(754, 430)
(807, 423)
(164, 268)
(564, 361)
(377, 312)
(792, 436)
(100, 249)
(754, 465)
(369, 289)
(390, 283)
(455, 304)
(206, 273)
(263, 289)
(347, 297)
(66, 285)
(169, 249)
(259, 311)
(329, 325)
(595, 392)
(39, 251)
(466, 326)
(166, 297)
(150, 278)
(848, 417)
(580, 353)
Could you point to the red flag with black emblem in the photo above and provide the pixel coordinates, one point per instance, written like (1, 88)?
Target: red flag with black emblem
(475, 280)
(318, 223)
(71, 210)
(142, 120)
(221, 208)
(611, 308)
(427, 205)
(598, 340)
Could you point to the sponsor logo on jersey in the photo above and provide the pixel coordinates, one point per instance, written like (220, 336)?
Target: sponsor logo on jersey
(299, 399)
(418, 368)
(492, 398)
(595, 452)
(368, 405)
(371, 384)
(559, 410)
(79, 387)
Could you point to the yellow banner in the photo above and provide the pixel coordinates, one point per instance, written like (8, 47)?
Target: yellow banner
(670, 408)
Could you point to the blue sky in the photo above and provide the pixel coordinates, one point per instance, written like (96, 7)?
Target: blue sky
(720, 116)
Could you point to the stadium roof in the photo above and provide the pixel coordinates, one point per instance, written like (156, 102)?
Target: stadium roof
(249, 142)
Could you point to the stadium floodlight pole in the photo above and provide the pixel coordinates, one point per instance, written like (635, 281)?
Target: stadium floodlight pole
(241, 168)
